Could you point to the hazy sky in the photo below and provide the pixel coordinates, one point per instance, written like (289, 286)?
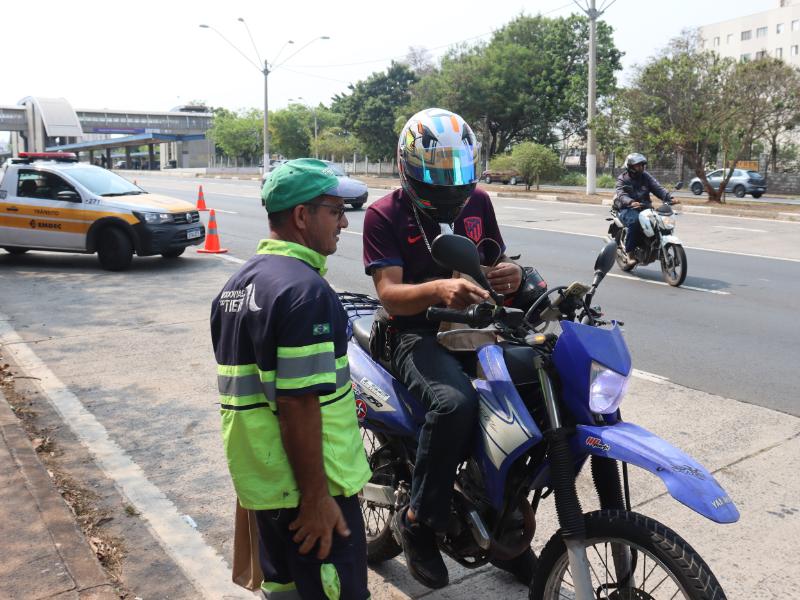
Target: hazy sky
(151, 55)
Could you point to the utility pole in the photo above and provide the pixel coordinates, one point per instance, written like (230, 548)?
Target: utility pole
(265, 168)
(591, 139)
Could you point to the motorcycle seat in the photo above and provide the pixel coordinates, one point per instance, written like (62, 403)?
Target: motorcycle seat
(362, 327)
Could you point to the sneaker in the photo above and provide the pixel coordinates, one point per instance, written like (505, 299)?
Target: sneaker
(421, 551)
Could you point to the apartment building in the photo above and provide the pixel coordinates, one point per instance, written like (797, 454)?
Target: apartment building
(774, 32)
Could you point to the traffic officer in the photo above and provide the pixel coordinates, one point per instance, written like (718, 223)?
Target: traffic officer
(289, 423)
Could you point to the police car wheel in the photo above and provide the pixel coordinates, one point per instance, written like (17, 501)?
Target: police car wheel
(114, 249)
(15, 251)
(173, 252)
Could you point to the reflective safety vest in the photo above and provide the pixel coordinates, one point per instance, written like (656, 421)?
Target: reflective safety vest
(279, 329)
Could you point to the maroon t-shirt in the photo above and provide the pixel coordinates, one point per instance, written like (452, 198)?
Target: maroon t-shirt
(392, 238)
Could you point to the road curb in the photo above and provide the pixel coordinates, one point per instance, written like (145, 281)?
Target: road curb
(65, 538)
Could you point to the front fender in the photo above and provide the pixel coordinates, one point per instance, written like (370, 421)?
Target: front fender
(670, 239)
(687, 480)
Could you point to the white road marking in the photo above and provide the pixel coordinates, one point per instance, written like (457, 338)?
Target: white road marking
(739, 228)
(199, 561)
(352, 232)
(572, 212)
(229, 212)
(229, 258)
(521, 208)
(686, 287)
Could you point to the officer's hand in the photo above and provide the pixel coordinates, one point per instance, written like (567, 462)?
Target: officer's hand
(460, 293)
(315, 522)
(505, 277)
(636, 205)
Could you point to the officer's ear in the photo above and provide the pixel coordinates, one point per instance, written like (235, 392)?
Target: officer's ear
(303, 212)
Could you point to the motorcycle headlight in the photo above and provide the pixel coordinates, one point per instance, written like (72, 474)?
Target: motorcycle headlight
(606, 389)
(669, 222)
(154, 218)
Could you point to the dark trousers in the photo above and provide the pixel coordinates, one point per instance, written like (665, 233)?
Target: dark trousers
(436, 378)
(630, 217)
(289, 574)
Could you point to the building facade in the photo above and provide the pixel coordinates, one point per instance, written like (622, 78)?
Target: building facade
(774, 33)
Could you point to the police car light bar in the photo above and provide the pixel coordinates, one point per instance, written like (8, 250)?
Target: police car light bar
(65, 156)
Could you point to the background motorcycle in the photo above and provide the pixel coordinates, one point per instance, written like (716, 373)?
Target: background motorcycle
(658, 242)
(547, 402)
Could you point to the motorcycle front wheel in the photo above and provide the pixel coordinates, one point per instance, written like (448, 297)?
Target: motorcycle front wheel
(381, 545)
(663, 565)
(673, 264)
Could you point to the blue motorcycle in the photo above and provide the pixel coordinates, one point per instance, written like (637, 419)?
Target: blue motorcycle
(547, 403)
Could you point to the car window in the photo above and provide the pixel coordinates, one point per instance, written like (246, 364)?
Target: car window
(754, 174)
(103, 182)
(715, 173)
(738, 173)
(40, 184)
(336, 169)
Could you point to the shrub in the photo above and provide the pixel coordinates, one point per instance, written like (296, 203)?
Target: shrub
(606, 181)
(573, 178)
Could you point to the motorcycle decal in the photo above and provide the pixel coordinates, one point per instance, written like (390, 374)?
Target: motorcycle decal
(721, 501)
(502, 433)
(375, 396)
(361, 409)
(594, 442)
(688, 470)
(473, 227)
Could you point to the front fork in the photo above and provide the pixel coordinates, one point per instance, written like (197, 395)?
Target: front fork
(562, 479)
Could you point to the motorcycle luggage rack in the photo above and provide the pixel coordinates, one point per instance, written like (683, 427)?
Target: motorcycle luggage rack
(358, 304)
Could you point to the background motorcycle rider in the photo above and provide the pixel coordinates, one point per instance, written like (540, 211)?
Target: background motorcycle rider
(437, 158)
(634, 186)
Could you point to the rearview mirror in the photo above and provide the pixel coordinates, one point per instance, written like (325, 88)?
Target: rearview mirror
(459, 254)
(68, 196)
(679, 185)
(605, 260)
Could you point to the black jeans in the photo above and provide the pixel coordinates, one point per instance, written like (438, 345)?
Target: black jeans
(436, 378)
(289, 574)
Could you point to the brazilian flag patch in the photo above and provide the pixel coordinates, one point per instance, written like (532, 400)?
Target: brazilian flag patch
(321, 328)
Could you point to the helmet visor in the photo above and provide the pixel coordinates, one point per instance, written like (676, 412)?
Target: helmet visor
(442, 165)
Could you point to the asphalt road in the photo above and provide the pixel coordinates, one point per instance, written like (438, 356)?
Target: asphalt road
(730, 330)
(133, 350)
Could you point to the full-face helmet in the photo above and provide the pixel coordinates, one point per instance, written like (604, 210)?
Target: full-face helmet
(437, 155)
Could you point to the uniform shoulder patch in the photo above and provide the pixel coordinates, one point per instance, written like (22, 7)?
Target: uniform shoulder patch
(321, 328)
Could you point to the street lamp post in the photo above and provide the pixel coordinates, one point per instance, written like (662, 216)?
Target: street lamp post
(265, 70)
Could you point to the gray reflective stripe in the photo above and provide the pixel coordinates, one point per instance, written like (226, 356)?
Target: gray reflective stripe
(342, 376)
(245, 385)
(305, 366)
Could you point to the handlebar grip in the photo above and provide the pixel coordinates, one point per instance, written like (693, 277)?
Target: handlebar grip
(446, 314)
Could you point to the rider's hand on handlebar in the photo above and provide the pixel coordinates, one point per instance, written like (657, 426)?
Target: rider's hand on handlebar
(636, 205)
(460, 293)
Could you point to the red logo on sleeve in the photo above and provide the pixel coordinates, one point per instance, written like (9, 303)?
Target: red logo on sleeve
(473, 227)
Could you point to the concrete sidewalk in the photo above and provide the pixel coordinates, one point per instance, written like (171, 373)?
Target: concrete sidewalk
(43, 553)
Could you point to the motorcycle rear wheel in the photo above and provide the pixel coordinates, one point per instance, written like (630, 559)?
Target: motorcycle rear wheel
(664, 564)
(381, 544)
(673, 264)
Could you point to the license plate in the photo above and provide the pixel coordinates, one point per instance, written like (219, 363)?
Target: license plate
(193, 233)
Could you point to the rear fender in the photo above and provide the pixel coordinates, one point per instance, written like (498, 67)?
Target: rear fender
(687, 480)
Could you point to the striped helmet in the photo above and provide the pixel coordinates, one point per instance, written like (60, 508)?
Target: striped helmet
(437, 155)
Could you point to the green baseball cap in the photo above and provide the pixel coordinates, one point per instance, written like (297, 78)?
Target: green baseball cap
(298, 181)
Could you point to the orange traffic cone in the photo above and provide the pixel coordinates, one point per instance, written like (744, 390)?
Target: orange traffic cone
(212, 237)
(201, 200)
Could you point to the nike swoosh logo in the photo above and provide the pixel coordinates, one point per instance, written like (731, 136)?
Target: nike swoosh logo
(414, 240)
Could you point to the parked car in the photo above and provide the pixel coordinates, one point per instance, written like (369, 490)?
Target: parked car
(355, 190)
(509, 176)
(742, 182)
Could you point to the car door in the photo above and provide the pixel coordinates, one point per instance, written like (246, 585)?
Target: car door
(50, 212)
(715, 178)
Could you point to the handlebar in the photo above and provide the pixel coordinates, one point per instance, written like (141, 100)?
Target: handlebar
(477, 315)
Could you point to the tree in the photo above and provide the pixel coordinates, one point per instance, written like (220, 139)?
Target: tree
(419, 60)
(528, 82)
(534, 162)
(289, 131)
(610, 127)
(694, 102)
(370, 110)
(238, 134)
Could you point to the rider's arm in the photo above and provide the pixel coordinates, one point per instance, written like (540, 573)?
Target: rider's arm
(622, 192)
(405, 299)
(656, 188)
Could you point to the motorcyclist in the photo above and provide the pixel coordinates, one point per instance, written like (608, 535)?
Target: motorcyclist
(437, 158)
(634, 186)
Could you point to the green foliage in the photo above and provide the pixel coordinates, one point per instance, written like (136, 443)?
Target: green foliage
(239, 135)
(528, 83)
(573, 178)
(336, 143)
(371, 109)
(290, 134)
(501, 162)
(606, 181)
(535, 162)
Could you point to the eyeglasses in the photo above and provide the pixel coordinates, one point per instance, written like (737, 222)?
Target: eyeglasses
(339, 209)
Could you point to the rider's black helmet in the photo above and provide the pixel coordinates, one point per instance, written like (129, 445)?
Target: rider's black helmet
(634, 159)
